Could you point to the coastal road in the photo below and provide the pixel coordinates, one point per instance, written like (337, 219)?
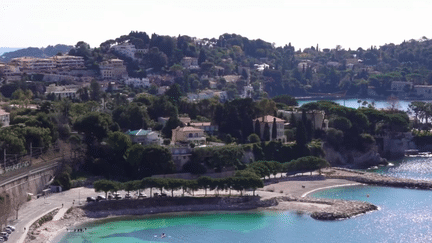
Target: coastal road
(36, 208)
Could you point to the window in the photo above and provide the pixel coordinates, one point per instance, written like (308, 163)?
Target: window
(190, 135)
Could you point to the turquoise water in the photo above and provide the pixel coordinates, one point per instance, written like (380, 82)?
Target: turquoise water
(379, 104)
(405, 215)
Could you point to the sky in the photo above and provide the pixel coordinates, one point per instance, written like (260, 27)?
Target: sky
(304, 23)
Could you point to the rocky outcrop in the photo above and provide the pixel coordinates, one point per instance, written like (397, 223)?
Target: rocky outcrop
(335, 209)
(352, 158)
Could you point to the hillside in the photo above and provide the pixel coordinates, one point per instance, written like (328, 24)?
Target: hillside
(34, 52)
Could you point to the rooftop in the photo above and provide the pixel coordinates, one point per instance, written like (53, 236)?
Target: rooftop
(268, 119)
(188, 129)
(140, 132)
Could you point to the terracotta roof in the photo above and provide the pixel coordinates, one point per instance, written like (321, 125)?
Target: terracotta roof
(188, 129)
(268, 119)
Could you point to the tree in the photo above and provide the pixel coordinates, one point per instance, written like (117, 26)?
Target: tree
(253, 138)
(119, 143)
(172, 123)
(274, 129)
(174, 94)
(285, 99)
(94, 125)
(105, 186)
(308, 163)
(202, 57)
(266, 134)
(95, 91)
(257, 128)
(204, 182)
(156, 160)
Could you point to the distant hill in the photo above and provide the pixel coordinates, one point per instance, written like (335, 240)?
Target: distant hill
(7, 49)
(48, 51)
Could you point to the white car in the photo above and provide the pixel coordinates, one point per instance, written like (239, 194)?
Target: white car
(10, 227)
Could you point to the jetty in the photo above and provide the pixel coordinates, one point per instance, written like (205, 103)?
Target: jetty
(376, 179)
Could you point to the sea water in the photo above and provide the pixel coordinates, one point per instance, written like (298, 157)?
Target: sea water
(405, 215)
(402, 105)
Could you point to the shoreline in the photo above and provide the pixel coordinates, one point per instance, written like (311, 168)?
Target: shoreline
(287, 194)
(276, 202)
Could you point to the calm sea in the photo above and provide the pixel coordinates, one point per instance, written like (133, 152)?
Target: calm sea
(379, 104)
(405, 215)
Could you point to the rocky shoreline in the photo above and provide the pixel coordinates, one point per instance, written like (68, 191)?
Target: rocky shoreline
(376, 179)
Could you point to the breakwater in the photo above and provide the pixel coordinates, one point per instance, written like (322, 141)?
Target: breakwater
(376, 179)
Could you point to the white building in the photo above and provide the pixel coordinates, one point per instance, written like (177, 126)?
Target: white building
(136, 82)
(145, 137)
(261, 67)
(126, 49)
(4, 118)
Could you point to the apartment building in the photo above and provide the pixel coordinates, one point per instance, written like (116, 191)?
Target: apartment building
(67, 61)
(113, 69)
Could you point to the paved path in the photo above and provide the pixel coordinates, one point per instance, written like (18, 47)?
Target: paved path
(36, 208)
(60, 214)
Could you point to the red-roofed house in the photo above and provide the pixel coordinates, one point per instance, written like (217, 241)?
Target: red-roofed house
(188, 134)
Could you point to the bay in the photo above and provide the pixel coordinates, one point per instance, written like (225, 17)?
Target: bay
(405, 215)
(379, 104)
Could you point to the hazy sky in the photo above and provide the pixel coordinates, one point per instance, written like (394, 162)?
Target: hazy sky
(304, 23)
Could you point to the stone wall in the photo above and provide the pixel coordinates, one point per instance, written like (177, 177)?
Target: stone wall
(32, 183)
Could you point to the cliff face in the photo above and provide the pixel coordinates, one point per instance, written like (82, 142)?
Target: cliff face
(352, 158)
(393, 145)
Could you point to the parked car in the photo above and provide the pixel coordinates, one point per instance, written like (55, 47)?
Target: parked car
(100, 198)
(91, 199)
(118, 197)
(7, 230)
(128, 196)
(142, 195)
(4, 235)
(2, 239)
(10, 227)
